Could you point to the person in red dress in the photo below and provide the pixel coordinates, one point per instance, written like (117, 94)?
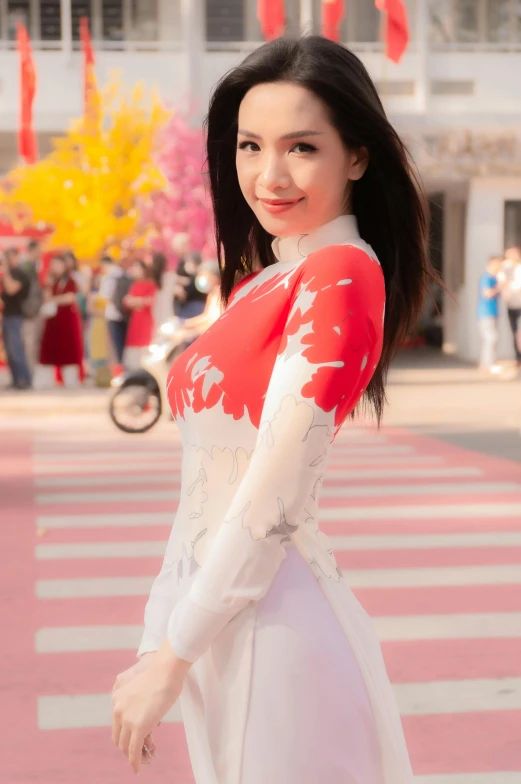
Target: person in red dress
(62, 344)
(139, 301)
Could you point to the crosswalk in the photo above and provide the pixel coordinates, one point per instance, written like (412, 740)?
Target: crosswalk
(428, 535)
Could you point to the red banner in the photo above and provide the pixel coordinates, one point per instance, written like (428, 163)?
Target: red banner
(332, 15)
(396, 28)
(27, 146)
(90, 87)
(271, 16)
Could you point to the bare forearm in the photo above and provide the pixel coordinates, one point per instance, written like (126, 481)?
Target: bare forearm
(65, 299)
(11, 285)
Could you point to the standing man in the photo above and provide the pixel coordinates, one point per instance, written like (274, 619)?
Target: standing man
(31, 265)
(15, 288)
(188, 300)
(114, 285)
(488, 313)
(510, 286)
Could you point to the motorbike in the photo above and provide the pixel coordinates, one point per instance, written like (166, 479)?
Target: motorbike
(139, 399)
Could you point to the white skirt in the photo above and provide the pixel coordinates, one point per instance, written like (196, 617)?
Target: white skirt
(309, 718)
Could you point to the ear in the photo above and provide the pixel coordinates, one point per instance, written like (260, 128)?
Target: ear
(358, 163)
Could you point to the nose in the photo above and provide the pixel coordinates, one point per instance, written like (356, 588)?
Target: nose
(274, 172)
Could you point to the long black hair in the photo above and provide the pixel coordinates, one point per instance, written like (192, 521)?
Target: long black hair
(158, 268)
(388, 200)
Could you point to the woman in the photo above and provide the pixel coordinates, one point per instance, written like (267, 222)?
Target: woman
(61, 349)
(280, 669)
(163, 308)
(82, 279)
(139, 302)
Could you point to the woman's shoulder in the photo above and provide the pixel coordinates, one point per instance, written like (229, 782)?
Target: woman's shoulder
(241, 283)
(334, 262)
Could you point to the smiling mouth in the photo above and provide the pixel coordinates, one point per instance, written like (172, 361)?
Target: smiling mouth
(279, 206)
(279, 202)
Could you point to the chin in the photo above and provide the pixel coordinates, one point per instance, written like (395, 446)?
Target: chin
(280, 226)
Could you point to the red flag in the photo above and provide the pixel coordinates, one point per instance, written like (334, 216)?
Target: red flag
(332, 15)
(396, 28)
(270, 14)
(90, 88)
(26, 136)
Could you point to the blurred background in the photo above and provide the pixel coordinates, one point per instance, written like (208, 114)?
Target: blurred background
(106, 236)
(454, 96)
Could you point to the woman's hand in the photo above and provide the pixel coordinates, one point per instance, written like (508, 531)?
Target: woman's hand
(142, 700)
(140, 666)
(133, 303)
(64, 299)
(125, 677)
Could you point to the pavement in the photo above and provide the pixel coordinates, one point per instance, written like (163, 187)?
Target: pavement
(424, 517)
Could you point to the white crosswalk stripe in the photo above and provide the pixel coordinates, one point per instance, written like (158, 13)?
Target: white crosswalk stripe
(417, 699)
(347, 476)
(65, 712)
(363, 491)
(476, 626)
(357, 578)
(349, 543)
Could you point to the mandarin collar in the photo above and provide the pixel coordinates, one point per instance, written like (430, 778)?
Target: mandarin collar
(337, 232)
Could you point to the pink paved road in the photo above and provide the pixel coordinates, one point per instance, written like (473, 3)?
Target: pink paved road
(443, 737)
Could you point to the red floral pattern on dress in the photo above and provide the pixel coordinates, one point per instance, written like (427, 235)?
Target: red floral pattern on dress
(233, 361)
(343, 333)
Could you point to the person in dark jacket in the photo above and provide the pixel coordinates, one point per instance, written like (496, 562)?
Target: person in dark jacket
(15, 289)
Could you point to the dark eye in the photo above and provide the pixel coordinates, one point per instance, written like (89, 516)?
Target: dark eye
(247, 145)
(304, 148)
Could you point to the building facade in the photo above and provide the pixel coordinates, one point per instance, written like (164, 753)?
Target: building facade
(455, 98)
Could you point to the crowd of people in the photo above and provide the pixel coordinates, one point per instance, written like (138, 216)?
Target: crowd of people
(67, 322)
(501, 281)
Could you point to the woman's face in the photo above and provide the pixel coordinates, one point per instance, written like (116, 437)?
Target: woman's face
(58, 267)
(136, 271)
(292, 165)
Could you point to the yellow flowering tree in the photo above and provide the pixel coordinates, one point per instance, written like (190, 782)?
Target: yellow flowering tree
(87, 188)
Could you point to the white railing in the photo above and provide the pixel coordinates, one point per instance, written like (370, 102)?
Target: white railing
(103, 46)
(248, 46)
(477, 46)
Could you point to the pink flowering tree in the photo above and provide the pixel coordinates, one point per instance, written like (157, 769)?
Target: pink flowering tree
(184, 205)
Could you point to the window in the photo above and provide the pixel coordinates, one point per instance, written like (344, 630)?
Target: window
(80, 8)
(18, 11)
(498, 20)
(466, 20)
(144, 20)
(512, 223)
(361, 22)
(50, 20)
(474, 21)
(112, 20)
(224, 20)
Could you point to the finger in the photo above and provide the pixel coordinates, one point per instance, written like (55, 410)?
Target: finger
(135, 751)
(116, 727)
(150, 745)
(146, 756)
(124, 740)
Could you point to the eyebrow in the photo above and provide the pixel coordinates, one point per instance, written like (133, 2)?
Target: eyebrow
(292, 135)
